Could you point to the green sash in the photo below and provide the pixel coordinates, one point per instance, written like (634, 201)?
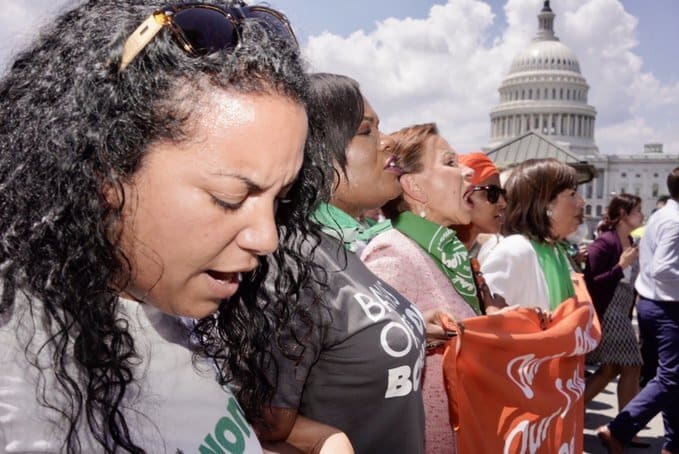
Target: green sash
(554, 265)
(345, 228)
(446, 250)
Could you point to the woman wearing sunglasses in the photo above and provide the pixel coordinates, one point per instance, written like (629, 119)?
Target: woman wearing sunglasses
(490, 202)
(530, 267)
(423, 258)
(140, 173)
(360, 370)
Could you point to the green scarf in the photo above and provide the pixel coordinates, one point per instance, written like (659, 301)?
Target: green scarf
(446, 250)
(340, 225)
(554, 264)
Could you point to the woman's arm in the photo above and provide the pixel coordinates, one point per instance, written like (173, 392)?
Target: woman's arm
(302, 434)
(601, 263)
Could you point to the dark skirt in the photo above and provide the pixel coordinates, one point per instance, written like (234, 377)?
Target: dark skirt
(619, 344)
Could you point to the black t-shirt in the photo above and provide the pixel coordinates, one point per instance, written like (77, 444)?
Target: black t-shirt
(362, 365)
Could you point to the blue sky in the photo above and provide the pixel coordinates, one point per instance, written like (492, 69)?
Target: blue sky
(443, 60)
(657, 30)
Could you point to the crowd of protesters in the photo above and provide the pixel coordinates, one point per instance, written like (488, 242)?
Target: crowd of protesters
(188, 262)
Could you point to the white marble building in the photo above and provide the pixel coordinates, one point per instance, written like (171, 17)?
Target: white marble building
(545, 92)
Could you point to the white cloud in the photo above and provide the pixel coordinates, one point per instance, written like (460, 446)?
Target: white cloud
(420, 70)
(444, 69)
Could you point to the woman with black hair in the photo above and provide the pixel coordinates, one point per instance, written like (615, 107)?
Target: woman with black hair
(360, 370)
(145, 173)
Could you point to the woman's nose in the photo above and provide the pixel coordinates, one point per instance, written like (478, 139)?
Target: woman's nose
(387, 143)
(260, 236)
(467, 172)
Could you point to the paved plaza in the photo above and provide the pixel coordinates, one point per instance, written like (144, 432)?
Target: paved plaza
(603, 409)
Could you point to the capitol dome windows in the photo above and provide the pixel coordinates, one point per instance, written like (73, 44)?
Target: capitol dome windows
(545, 93)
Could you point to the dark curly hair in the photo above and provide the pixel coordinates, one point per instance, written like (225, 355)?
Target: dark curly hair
(72, 124)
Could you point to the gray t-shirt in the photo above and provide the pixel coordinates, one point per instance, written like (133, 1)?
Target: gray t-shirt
(362, 364)
(175, 405)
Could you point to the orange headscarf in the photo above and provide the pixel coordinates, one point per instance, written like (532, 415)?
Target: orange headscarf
(481, 164)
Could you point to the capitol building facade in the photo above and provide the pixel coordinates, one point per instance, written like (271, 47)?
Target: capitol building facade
(543, 112)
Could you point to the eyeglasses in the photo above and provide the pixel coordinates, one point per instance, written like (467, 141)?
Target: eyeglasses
(493, 192)
(202, 29)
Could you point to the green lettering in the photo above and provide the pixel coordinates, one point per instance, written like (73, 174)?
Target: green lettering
(238, 415)
(213, 446)
(224, 426)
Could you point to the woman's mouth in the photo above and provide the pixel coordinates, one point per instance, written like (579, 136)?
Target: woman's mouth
(222, 284)
(392, 165)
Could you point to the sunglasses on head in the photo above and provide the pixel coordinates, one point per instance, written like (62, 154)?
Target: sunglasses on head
(493, 192)
(202, 29)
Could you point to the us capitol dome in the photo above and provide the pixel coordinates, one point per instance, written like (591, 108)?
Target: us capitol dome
(543, 112)
(545, 92)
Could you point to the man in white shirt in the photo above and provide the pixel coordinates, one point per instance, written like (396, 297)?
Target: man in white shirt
(658, 313)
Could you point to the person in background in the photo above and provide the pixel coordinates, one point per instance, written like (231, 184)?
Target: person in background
(144, 149)
(489, 201)
(359, 370)
(422, 257)
(658, 316)
(647, 344)
(661, 202)
(607, 276)
(529, 267)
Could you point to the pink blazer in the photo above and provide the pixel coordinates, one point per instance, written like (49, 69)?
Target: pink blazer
(404, 265)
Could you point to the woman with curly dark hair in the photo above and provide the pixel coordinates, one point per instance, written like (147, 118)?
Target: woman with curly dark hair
(145, 172)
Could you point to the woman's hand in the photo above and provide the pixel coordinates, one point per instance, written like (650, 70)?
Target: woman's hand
(629, 256)
(582, 255)
(491, 301)
(437, 333)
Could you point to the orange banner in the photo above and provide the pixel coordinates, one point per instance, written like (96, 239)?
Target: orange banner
(514, 387)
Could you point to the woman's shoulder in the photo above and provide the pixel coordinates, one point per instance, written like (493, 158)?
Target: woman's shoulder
(513, 245)
(391, 243)
(605, 242)
(390, 239)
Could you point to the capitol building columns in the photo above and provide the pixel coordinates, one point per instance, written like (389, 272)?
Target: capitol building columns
(545, 92)
(543, 111)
